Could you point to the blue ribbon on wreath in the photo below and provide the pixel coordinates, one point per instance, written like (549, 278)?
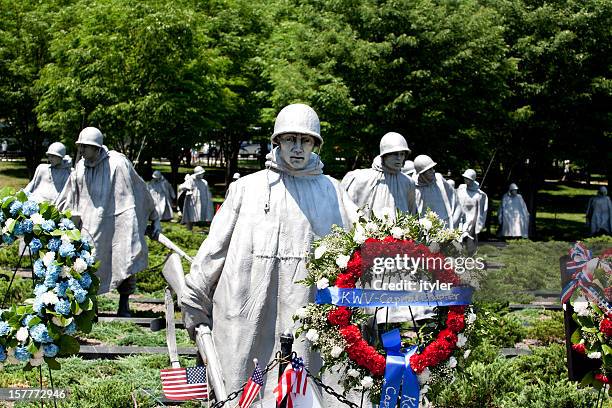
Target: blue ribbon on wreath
(398, 373)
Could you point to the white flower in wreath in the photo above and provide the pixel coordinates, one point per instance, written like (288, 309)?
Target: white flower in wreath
(452, 362)
(461, 340)
(323, 283)
(595, 355)
(320, 251)
(424, 376)
(425, 389)
(36, 218)
(312, 335)
(471, 318)
(65, 272)
(49, 298)
(359, 236)
(353, 373)
(48, 258)
(426, 224)
(22, 334)
(5, 229)
(336, 351)
(80, 265)
(371, 227)
(342, 261)
(581, 306)
(301, 313)
(367, 382)
(397, 232)
(466, 354)
(65, 239)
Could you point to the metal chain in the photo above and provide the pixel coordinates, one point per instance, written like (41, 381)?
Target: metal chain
(331, 391)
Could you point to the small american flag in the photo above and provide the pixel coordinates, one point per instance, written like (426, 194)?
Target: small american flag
(181, 384)
(292, 381)
(251, 389)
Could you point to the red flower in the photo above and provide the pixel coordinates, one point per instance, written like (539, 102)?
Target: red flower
(389, 238)
(378, 365)
(345, 280)
(351, 334)
(354, 265)
(579, 348)
(602, 378)
(455, 321)
(340, 316)
(606, 326)
(448, 336)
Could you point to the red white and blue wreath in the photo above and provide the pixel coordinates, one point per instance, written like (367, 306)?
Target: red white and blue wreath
(65, 284)
(333, 325)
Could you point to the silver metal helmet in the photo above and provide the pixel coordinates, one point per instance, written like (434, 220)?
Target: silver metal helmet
(422, 163)
(603, 190)
(393, 142)
(297, 118)
(513, 187)
(198, 170)
(408, 167)
(57, 149)
(236, 176)
(470, 173)
(91, 136)
(157, 175)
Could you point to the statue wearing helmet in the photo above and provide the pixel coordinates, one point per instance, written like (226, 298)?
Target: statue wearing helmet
(475, 204)
(243, 277)
(112, 204)
(383, 185)
(599, 213)
(434, 192)
(49, 179)
(196, 198)
(513, 215)
(163, 194)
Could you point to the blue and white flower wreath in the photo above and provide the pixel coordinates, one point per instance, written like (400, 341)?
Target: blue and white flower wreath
(65, 284)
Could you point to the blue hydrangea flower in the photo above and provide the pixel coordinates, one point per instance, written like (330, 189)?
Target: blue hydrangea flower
(40, 334)
(2, 353)
(39, 268)
(60, 288)
(87, 257)
(38, 306)
(48, 225)
(26, 320)
(63, 307)
(22, 354)
(70, 329)
(29, 208)
(85, 243)
(15, 207)
(4, 328)
(66, 224)
(80, 295)
(52, 275)
(39, 290)
(85, 280)
(54, 244)
(17, 229)
(8, 239)
(50, 350)
(35, 245)
(74, 285)
(66, 250)
(27, 226)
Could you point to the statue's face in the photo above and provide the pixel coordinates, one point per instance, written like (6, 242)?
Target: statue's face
(295, 149)
(54, 160)
(394, 160)
(200, 176)
(513, 193)
(467, 181)
(90, 152)
(428, 176)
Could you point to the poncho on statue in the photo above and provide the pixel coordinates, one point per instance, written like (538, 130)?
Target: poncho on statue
(440, 197)
(163, 194)
(380, 187)
(474, 204)
(599, 213)
(242, 281)
(513, 216)
(49, 181)
(114, 205)
(198, 204)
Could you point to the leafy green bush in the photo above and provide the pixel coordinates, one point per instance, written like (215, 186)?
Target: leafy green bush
(496, 327)
(546, 326)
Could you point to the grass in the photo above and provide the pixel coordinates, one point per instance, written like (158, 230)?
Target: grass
(129, 334)
(13, 174)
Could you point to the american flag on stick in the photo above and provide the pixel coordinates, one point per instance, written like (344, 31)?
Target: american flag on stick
(293, 382)
(182, 384)
(252, 388)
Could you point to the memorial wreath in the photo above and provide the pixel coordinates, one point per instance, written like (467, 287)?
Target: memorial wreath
(334, 324)
(64, 283)
(592, 304)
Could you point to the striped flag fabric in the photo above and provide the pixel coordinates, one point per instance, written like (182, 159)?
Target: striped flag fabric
(293, 382)
(182, 384)
(251, 389)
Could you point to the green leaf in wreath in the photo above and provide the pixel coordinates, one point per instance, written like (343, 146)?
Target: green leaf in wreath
(84, 321)
(587, 379)
(575, 339)
(53, 363)
(21, 196)
(68, 345)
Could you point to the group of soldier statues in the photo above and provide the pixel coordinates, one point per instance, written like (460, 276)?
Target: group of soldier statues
(243, 277)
